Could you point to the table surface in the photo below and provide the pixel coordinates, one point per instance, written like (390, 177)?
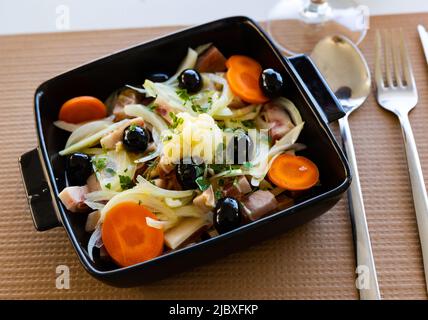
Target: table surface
(314, 261)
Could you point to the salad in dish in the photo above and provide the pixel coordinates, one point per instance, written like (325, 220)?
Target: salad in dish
(183, 158)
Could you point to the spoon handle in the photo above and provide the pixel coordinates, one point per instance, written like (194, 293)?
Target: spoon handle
(366, 281)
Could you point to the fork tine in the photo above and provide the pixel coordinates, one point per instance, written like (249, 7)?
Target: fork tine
(388, 54)
(396, 57)
(407, 66)
(378, 61)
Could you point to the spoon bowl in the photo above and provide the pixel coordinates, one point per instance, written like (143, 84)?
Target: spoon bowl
(345, 70)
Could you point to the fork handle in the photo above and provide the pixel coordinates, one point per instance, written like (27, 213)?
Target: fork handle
(369, 287)
(418, 188)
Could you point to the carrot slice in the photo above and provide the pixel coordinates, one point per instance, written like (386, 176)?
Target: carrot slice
(81, 109)
(243, 75)
(293, 172)
(127, 237)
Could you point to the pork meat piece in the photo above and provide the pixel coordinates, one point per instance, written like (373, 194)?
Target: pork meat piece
(260, 203)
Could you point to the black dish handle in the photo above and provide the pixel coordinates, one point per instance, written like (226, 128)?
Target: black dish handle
(318, 87)
(38, 191)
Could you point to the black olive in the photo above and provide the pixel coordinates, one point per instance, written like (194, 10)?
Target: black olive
(78, 168)
(227, 214)
(187, 172)
(191, 80)
(242, 148)
(135, 139)
(271, 83)
(157, 77)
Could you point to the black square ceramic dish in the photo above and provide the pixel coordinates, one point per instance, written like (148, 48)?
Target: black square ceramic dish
(43, 169)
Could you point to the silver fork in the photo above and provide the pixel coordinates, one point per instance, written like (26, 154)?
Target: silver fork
(396, 92)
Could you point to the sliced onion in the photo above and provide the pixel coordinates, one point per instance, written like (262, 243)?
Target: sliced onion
(95, 241)
(79, 142)
(286, 141)
(140, 90)
(139, 110)
(291, 109)
(94, 205)
(93, 151)
(151, 156)
(226, 96)
(236, 114)
(173, 203)
(146, 186)
(159, 224)
(137, 195)
(228, 173)
(188, 62)
(200, 49)
(67, 126)
(100, 195)
(87, 130)
(189, 211)
(261, 168)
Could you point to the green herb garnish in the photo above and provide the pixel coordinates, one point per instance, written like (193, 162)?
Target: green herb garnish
(221, 125)
(111, 171)
(125, 182)
(250, 124)
(132, 127)
(198, 108)
(176, 121)
(152, 106)
(183, 95)
(218, 194)
(99, 163)
(202, 183)
(247, 165)
(108, 185)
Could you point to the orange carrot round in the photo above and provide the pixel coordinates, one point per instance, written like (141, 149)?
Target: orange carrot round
(243, 75)
(127, 237)
(81, 109)
(293, 172)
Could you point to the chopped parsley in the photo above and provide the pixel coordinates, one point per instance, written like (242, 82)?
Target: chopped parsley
(111, 171)
(247, 165)
(167, 138)
(176, 121)
(99, 163)
(198, 108)
(202, 183)
(218, 194)
(221, 125)
(183, 95)
(108, 185)
(250, 124)
(132, 127)
(224, 167)
(125, 182)
(152, 106)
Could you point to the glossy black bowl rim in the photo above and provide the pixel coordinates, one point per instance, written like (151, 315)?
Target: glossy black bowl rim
(264, 220)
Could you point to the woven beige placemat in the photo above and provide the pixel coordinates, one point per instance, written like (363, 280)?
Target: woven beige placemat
(314, 261)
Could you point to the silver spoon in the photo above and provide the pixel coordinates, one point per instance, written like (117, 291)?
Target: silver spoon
(348, 75)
